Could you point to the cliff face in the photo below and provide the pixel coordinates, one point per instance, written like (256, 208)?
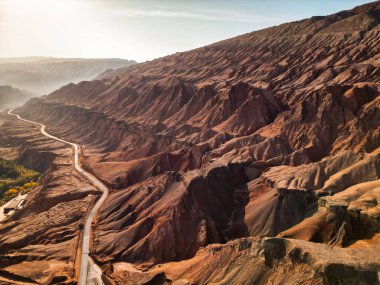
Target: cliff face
(273, 133)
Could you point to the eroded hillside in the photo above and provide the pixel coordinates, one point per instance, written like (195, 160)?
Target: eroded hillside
(275, 133)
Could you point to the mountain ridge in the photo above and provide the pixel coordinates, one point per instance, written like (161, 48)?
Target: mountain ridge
(42, 75)
(257, 136)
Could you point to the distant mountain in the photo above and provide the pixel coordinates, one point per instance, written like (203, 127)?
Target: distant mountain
(12, 97)
(42, 75)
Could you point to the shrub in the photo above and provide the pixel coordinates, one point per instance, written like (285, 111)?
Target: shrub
(17, 178)
(10, 194)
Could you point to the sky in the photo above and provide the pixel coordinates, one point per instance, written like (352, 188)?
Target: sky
(140, 29)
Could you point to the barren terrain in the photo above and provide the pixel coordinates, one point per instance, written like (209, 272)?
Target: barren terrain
(255, 160)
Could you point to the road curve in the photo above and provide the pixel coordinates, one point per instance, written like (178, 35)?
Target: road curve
(93, 180)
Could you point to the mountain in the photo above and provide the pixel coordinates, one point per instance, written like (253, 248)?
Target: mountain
(42, 75)
(11, 97)
(254, 160)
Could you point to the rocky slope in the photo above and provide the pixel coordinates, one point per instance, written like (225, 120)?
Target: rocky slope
(38, 244)
(42, 75)
(273, 133)
(260, 261)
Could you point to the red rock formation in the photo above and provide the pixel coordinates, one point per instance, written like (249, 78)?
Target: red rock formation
(246, 137)
(39, 243)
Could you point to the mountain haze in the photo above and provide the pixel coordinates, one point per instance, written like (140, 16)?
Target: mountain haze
(42, 75)
(11, 97)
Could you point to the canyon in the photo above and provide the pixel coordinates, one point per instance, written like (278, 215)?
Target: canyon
(255, 160)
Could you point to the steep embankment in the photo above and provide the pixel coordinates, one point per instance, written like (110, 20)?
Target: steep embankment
(246, 137)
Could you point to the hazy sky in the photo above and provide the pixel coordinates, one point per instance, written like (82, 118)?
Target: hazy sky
(140, 29)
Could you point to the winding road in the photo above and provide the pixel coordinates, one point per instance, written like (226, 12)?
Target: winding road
(84, 265)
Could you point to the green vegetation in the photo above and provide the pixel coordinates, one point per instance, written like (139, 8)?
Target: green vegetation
(15, 179)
